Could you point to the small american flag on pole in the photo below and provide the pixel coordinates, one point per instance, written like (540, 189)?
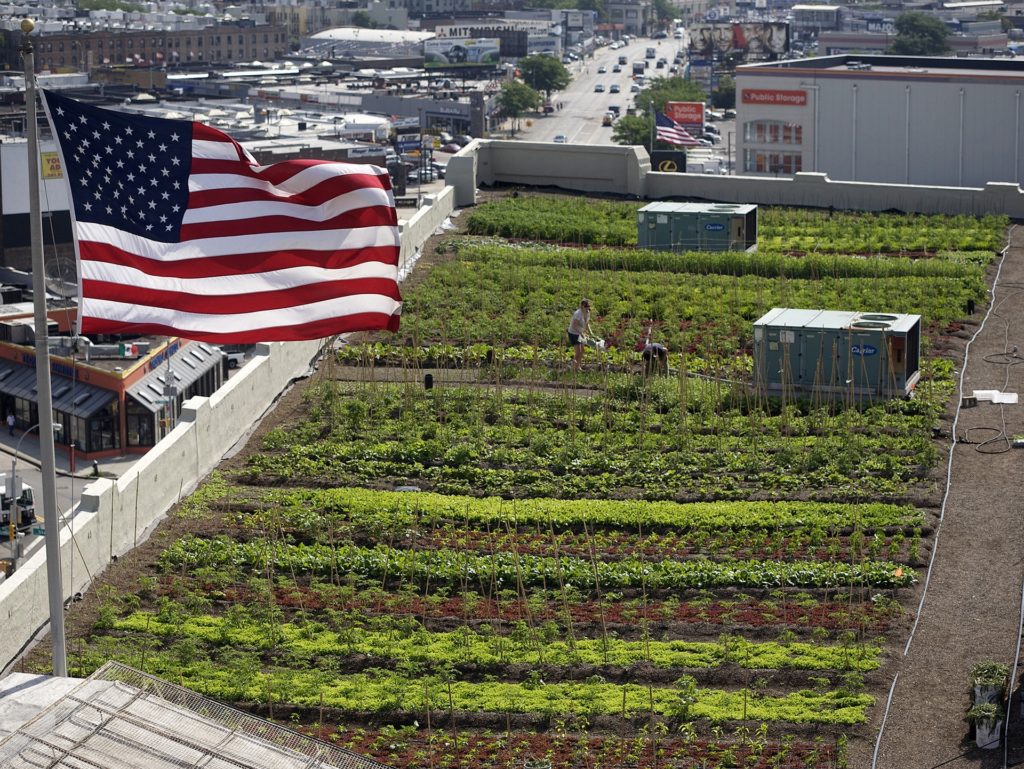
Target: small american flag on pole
(671, 132)
(180, 232)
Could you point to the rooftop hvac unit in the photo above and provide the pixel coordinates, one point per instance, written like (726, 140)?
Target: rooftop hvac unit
(697, 227)
(825, 351)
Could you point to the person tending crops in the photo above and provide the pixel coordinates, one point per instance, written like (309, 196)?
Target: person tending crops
(579, 328)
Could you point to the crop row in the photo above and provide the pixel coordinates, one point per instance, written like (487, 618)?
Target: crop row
(569, 745)
(237, 677)
(571, 220)
(781, 610)
(310, 510)
(500, 570)
(770, 264)
(313, 642)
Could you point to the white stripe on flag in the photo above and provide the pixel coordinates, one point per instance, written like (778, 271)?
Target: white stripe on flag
(231, 324)
(313, 240)
(363, 197)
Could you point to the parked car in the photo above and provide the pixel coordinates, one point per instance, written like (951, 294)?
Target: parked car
(453, 148)
(713, 138)
(614, 88)
(420, 176)
(634, 88)
(462, 140)
(561, 139)
(439, 169)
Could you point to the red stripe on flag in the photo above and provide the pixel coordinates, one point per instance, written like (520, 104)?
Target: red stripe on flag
(237, 264)
(320, 329)
(314, 196)
(236, 304)
(373, 216)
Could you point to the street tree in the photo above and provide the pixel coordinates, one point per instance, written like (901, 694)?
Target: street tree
(918, 34)
(514, 99)
(544, 73)
(631, 130)
(665, 89)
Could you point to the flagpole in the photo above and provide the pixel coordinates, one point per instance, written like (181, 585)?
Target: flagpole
(653, 121)
(47, 462)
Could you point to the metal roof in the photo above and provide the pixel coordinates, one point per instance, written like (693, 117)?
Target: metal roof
(787, 317)
(69, 396)
(186, 366)
(120, 717)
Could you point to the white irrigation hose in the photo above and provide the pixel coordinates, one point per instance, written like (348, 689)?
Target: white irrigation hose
(945, 497)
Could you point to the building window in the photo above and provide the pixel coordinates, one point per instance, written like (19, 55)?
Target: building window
(766, 162)
(140, 422)
(773, 132)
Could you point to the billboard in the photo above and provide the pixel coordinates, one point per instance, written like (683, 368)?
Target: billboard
(461, 52)
(689, 114)
(749, 41)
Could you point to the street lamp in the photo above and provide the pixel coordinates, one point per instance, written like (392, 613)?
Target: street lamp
(13, 515)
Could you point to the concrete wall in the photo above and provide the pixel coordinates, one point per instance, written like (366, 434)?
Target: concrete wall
(415, 230)
(572, 167)
(114, 516)
(585, 168)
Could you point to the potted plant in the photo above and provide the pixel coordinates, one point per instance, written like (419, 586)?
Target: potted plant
(987, 718)
(989, 681)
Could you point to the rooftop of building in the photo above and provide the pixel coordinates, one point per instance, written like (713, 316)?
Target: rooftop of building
(866, 65)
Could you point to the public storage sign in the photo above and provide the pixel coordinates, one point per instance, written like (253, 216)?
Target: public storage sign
(686, 113)
(774, 97)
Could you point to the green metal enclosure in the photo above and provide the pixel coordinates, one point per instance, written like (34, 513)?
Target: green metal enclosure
(825, 351)
(697, 227)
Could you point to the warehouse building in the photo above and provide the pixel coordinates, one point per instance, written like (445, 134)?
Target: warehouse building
(891, 119)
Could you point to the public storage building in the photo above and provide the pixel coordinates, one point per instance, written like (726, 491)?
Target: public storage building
(892, 119)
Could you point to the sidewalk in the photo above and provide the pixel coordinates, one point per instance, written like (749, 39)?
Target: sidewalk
(28, 453)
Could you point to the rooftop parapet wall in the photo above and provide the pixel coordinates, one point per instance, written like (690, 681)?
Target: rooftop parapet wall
(626, 171)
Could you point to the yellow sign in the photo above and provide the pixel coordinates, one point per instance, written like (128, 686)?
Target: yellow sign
(668, 165)
(50, 162)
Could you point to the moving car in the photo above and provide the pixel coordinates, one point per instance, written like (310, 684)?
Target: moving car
(607, 119)
(614, 88)
(602, 69)
(599, 88)
(616, 68)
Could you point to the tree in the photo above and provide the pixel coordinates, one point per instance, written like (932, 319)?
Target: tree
(918, 34)
(632, 130)
(665, 89)
(516, 98)
(362, 19)
(724, 96)
(544, 73)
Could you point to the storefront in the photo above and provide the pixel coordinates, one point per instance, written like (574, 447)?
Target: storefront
(111, 406)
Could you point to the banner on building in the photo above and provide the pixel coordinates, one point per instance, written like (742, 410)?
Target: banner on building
(50, 162)
(461, 52)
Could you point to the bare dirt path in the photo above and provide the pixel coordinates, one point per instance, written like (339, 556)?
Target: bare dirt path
(971, 609)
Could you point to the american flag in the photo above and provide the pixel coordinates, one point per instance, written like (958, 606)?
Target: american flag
(180, 232)
(671, 132)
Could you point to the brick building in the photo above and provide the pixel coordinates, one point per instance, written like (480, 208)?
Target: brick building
(76, 49)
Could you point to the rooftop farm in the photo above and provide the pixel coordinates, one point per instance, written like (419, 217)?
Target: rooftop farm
(603, 568)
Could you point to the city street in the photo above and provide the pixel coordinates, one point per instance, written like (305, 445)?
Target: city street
(582, 108)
